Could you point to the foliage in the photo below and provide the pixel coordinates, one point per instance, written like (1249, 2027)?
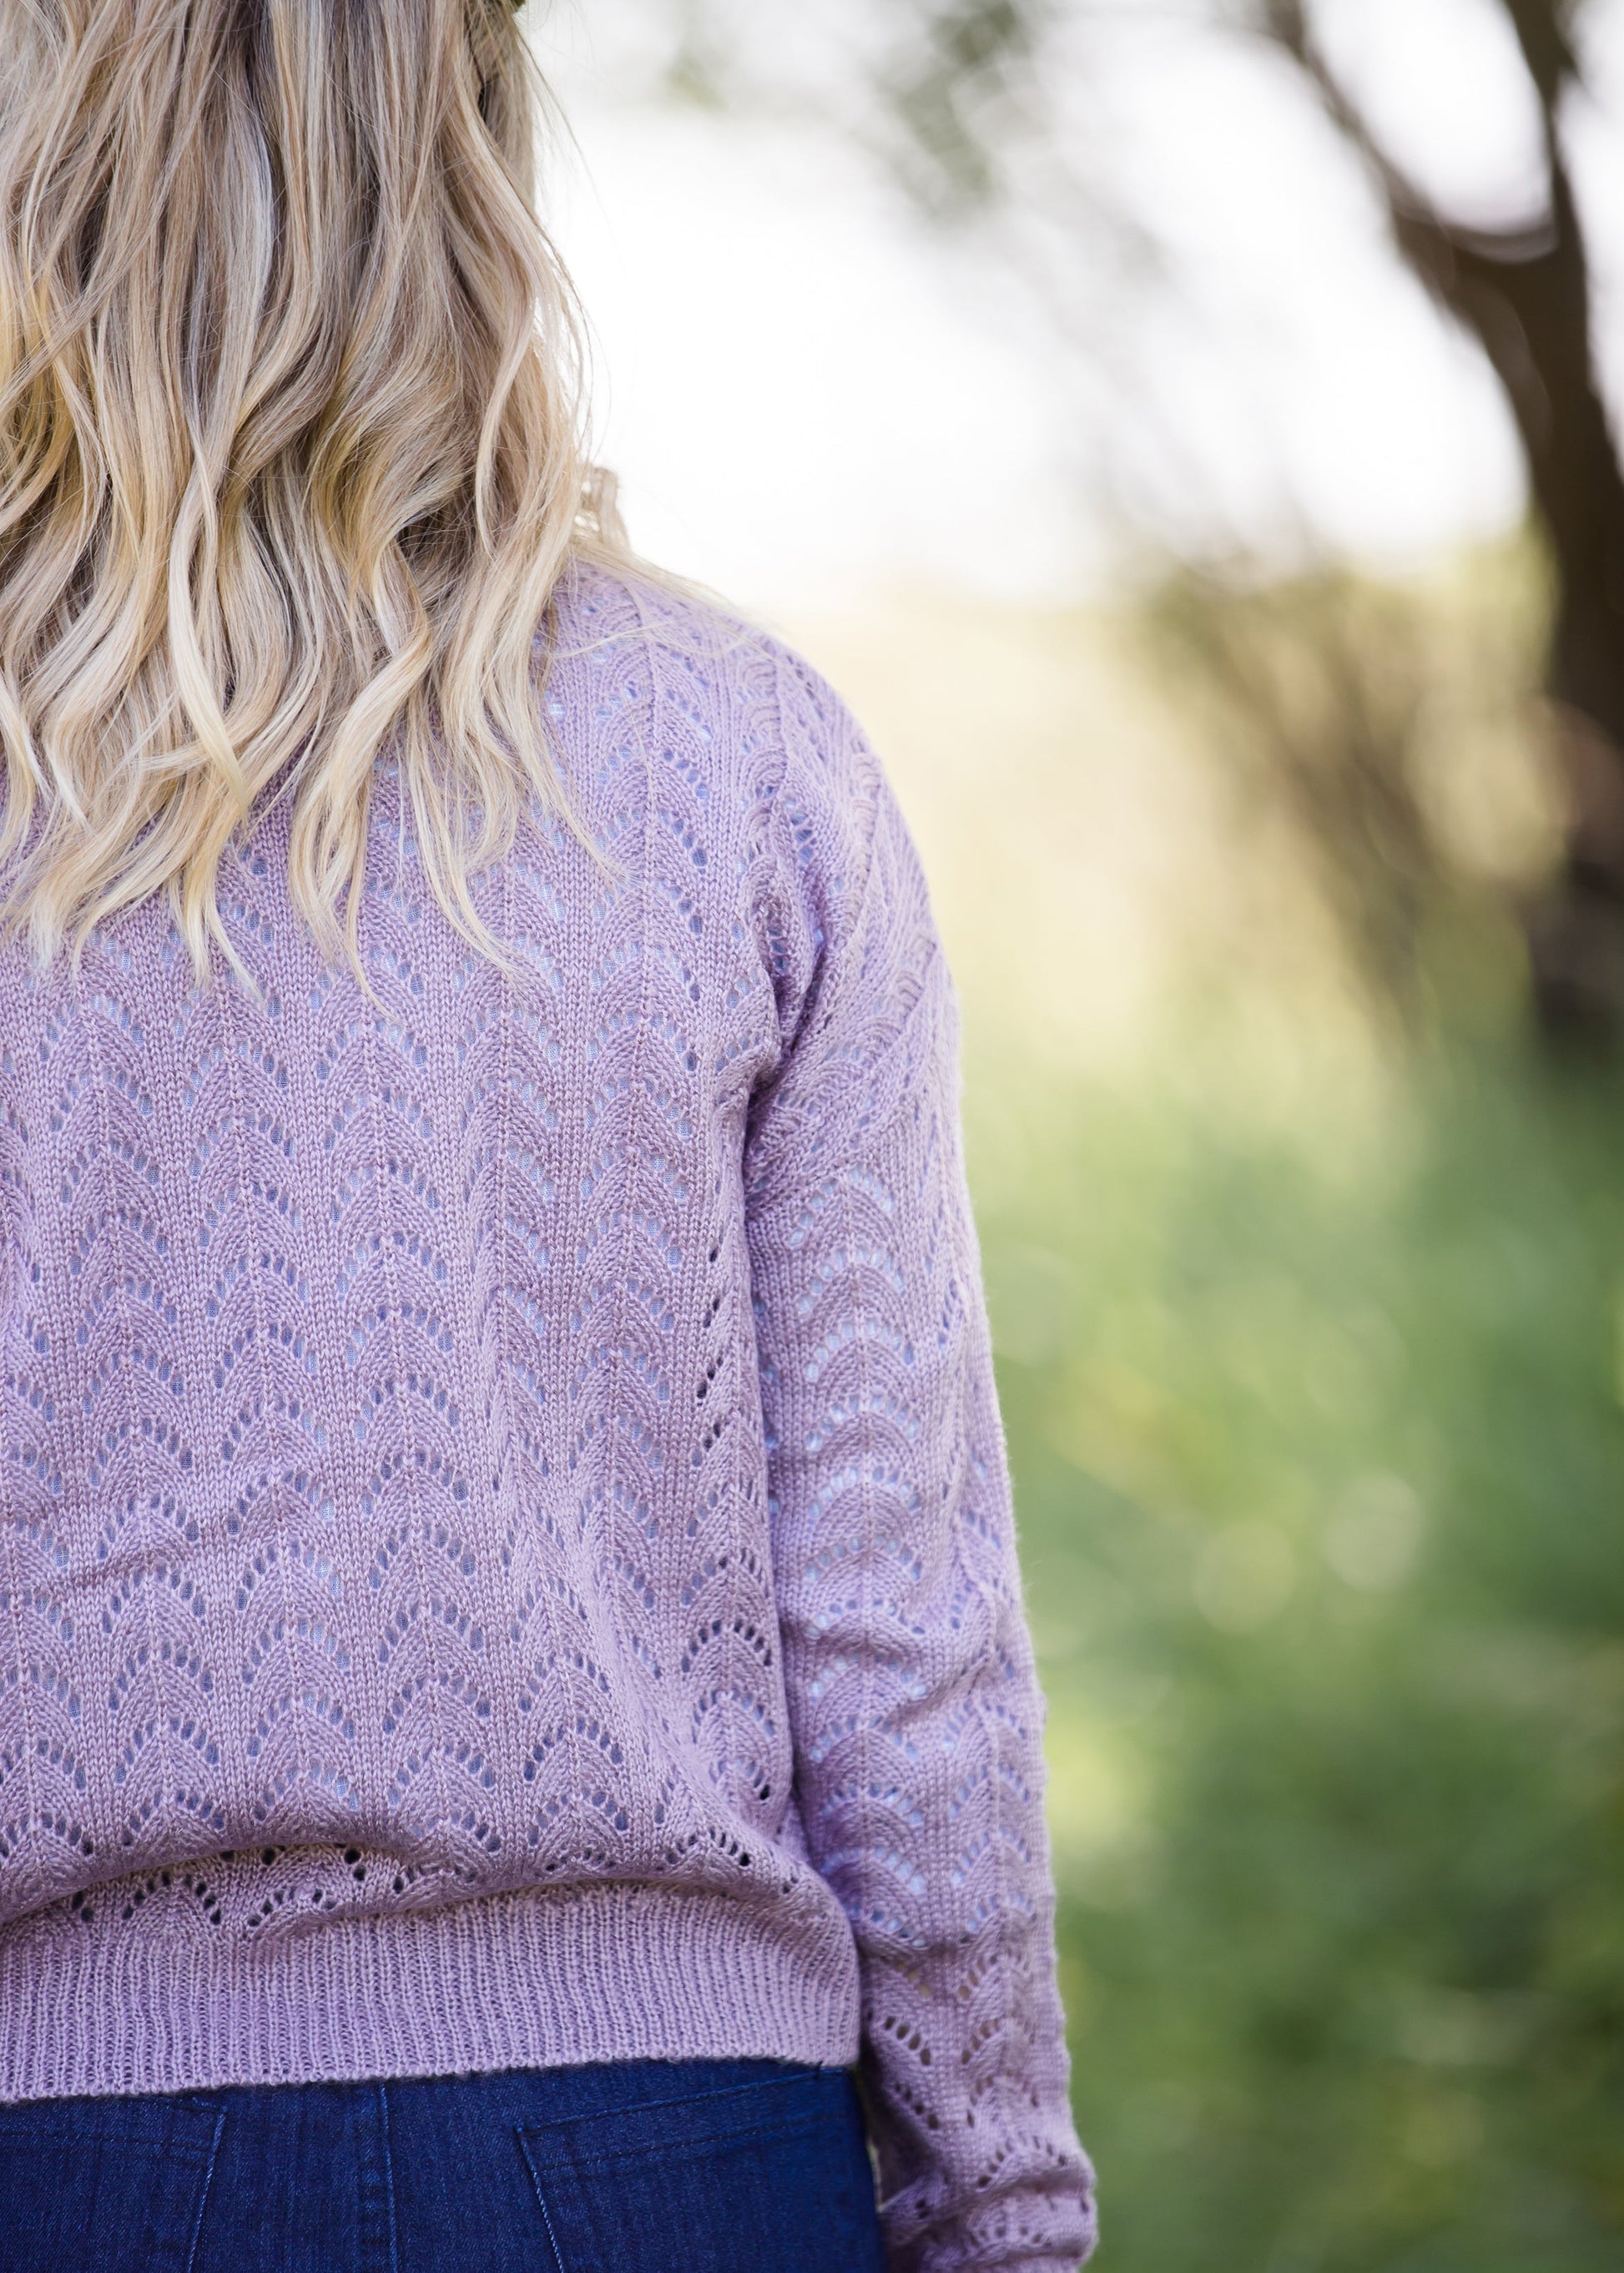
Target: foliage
(1318, 1451)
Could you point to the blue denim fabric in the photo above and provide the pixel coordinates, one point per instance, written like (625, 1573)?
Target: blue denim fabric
(646, 2166)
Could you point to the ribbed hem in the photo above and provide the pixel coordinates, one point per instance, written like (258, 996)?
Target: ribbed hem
(551, 1979)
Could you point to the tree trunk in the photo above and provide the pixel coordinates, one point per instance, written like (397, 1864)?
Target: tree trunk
(1525, 295)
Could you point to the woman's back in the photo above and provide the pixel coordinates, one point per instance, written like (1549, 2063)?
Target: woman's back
(506, 1558)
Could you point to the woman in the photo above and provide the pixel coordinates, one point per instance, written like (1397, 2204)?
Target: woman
(513, 1685)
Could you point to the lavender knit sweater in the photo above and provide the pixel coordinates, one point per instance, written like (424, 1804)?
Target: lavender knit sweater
(505, 1545)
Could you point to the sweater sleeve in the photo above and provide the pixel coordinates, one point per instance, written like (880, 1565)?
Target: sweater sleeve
(913, 1701)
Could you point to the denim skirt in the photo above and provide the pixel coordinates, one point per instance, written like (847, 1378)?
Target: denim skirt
(642, 2166)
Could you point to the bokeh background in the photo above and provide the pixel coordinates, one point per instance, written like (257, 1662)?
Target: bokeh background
(1184, 431)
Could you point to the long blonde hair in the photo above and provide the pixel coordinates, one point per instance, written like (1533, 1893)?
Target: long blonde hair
(292, 446)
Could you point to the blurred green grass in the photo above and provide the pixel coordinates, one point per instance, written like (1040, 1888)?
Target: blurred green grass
(1318, 1472)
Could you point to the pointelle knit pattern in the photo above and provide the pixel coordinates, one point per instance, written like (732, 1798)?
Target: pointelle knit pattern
(505, 1551)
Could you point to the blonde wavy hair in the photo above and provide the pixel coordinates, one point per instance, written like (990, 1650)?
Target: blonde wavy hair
(292, 449)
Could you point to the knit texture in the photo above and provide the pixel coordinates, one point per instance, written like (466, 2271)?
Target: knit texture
(506, 1553)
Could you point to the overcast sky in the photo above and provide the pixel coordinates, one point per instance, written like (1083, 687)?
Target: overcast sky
(810, 393)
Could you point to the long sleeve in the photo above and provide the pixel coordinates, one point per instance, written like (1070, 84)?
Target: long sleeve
(913, 1700)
